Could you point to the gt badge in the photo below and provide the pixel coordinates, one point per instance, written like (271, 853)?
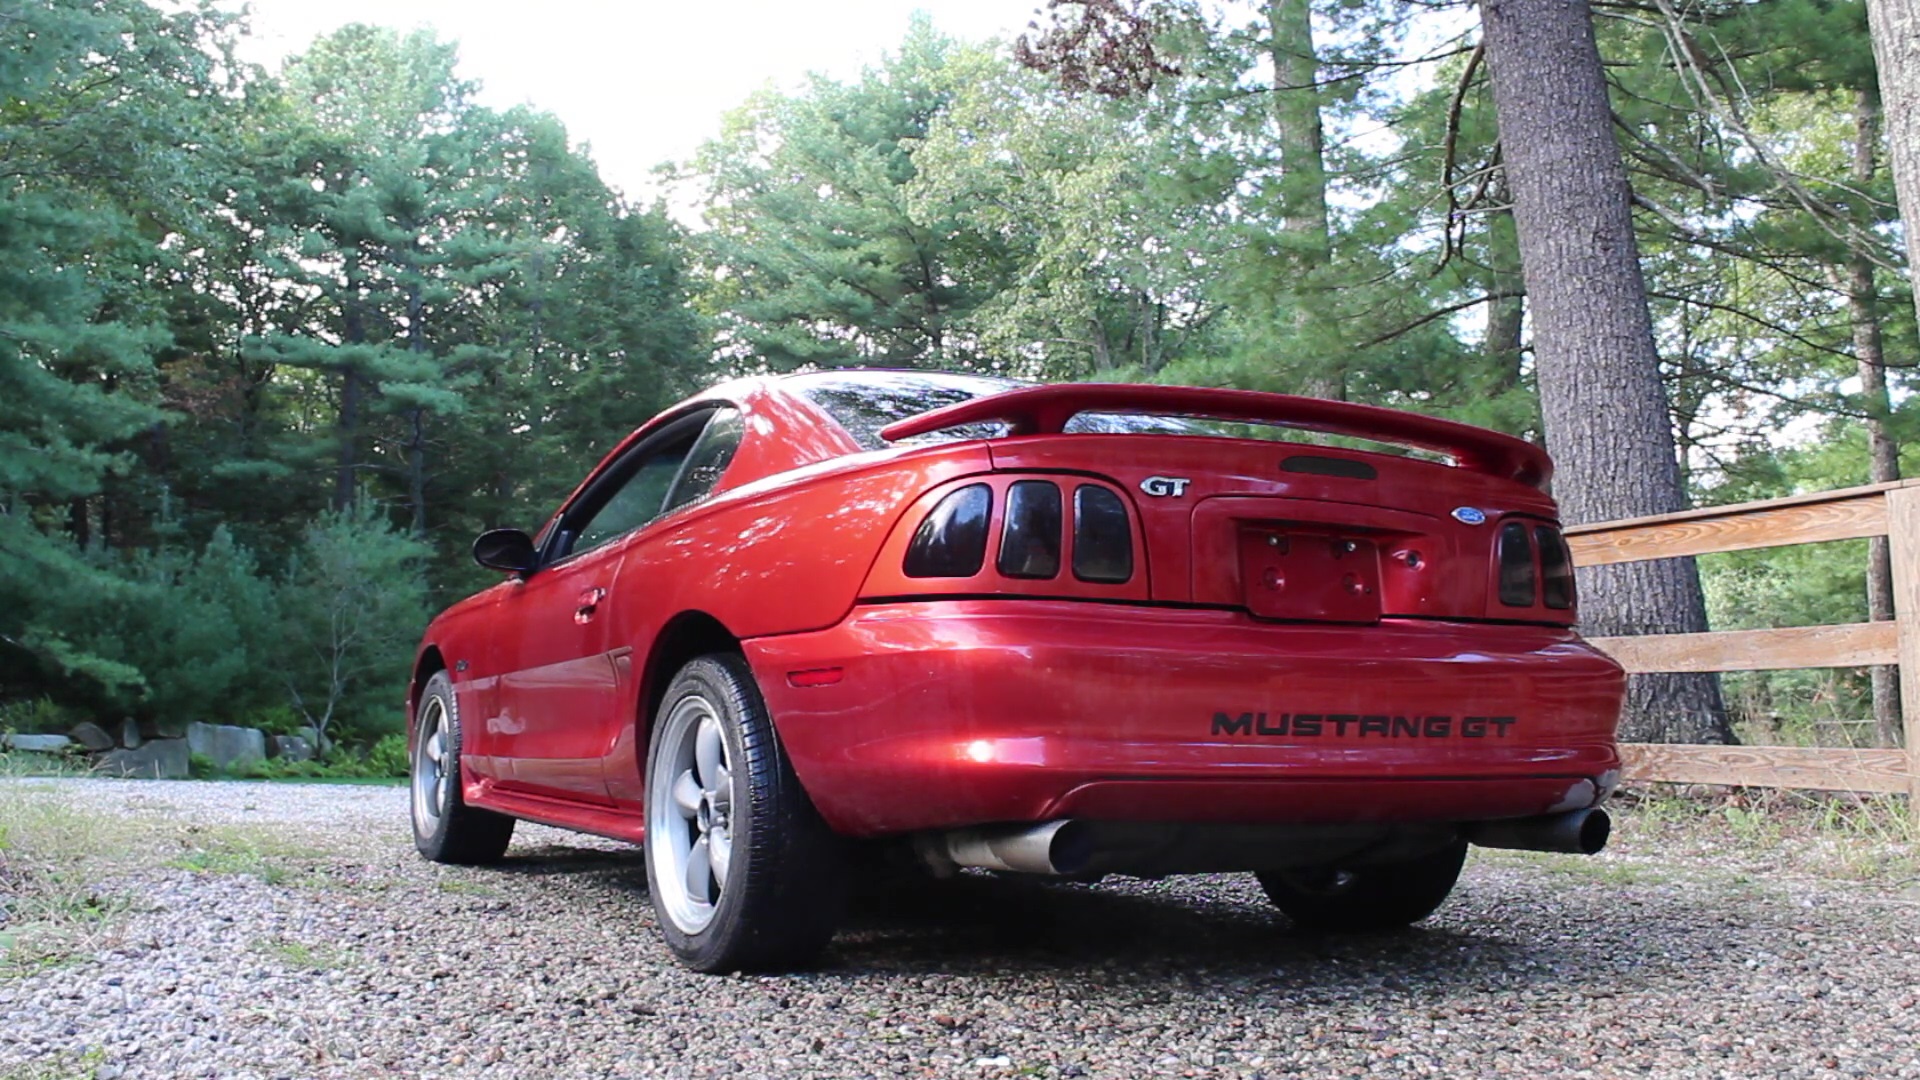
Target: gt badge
(1175, 486)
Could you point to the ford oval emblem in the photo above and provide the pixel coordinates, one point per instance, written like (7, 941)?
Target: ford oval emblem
(1468, 515)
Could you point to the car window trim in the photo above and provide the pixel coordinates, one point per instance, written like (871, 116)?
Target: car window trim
(680, 474)
(597, 488)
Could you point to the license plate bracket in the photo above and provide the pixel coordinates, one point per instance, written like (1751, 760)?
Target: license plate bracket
(1310, 573)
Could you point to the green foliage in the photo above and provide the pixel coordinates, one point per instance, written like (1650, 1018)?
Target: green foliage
(385, 759)
(818, 255)
(1801, 585)
(354, 603)
(274, 347)
(389, 757)
(37, 716)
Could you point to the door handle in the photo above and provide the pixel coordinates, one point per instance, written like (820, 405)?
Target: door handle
(589, 603)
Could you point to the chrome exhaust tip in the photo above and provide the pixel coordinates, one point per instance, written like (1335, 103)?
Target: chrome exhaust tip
(1056, 848)
(1575, 832)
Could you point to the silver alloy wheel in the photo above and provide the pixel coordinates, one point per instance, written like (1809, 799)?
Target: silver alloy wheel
(432, 777)
(690, 814)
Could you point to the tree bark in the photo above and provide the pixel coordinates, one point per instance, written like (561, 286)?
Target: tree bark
(1304, 226)
(1883, 451)
(1896, 51)
(353, 331)
(1605, 410)
(416, 417)
(1506, 312)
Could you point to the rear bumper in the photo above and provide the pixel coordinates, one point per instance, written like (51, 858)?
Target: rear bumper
(954, 713)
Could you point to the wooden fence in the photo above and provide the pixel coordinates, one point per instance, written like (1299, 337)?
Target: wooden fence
(1891, 510)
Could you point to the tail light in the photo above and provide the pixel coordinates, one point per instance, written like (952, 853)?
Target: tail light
(1102, 536)
(1556, 568)
(1030, 533)
(952, 540)
(1515, 555)
(1014, 535)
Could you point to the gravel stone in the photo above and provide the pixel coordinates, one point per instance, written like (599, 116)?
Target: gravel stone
(358, 959)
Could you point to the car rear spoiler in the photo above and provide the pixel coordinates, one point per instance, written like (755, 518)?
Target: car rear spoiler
(1045, 410)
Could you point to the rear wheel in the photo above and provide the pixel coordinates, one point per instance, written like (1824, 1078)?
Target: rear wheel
(743, 873)
(445, 828)
(1374, 896)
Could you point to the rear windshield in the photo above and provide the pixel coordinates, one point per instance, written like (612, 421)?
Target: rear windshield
(864, 402)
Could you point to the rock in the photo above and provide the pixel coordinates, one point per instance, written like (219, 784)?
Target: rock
(227, 746)
(289, 748)
(130, 734)
(154, 759)
(91, 736)
(38, 744)
(320, 743)
(162, 729)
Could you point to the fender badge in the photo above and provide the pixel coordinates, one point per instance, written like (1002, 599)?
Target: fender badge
(1161, 486)
(1468, 515)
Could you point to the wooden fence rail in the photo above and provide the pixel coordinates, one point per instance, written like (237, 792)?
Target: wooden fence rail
(1890, 510)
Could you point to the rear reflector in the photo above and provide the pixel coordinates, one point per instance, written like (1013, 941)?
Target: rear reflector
(825, 676)
(1556, 568)
(1030, 536)
(1516, 566)
(1102, 536)
(952, 541)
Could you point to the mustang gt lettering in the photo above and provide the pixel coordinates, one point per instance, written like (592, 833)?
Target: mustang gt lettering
(799, 628)
(1337, 725)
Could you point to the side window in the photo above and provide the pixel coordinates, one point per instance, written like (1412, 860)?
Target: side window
(708, 460)
(669, 470)
(637, 501)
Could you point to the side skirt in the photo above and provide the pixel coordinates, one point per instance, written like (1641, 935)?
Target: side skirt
(559, 813)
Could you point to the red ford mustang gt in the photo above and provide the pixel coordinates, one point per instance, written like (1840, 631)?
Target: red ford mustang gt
(1068, 630)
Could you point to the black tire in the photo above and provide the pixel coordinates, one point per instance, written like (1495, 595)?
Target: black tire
(784, 882)
(1383, 896)
(459, 834)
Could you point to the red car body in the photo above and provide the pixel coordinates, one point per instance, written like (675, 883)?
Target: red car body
(1308, 634)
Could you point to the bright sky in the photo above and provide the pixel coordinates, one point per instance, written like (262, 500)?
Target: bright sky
(646, 81)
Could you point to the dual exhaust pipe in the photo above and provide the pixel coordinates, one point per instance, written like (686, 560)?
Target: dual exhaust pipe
(1067, 847)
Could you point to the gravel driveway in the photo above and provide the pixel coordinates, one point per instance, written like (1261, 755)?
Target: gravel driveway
(290, 931)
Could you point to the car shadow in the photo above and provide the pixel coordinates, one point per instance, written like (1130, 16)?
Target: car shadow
(993, 922)
(980, 924)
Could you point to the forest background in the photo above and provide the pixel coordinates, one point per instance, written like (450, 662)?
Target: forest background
(274, 346)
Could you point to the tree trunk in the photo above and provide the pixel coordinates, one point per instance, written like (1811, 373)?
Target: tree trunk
(1883, 451)
(1296, 119)
(1896, 51)
(79, 522)
(1304, 227)
(1605, 411)
(1102, 352)
(416, 416)
(347, 423)
(1506, 312)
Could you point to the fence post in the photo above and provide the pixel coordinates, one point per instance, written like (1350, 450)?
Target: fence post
(1903, 538)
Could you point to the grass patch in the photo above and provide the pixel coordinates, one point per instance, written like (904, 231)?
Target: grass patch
(301, 956)
(62, 1067)
(16, 764)
(251, 852)
(343, 781)
(1868, 838)
(50, 909)
(456, 887)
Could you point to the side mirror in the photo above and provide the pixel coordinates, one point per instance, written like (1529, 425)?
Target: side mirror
(506, 549)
